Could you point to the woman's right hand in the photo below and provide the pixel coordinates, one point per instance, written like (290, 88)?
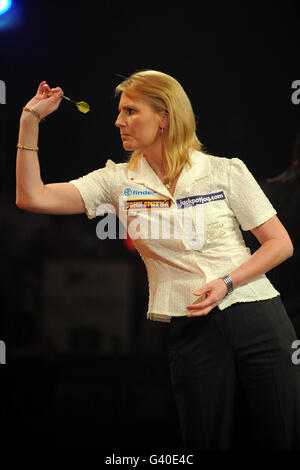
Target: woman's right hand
(46, 99)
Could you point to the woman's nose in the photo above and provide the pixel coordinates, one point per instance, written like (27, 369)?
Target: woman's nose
(119, 121)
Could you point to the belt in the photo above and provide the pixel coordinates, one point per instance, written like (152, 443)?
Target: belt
(159, 317)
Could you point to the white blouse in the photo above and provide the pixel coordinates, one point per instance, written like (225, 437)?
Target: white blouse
(190, 238)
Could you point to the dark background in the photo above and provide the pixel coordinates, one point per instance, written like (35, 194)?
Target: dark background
(237, 64)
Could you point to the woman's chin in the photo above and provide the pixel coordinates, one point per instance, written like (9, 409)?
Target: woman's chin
(127, 146)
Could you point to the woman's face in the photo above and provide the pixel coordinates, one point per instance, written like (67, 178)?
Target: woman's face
(139, 124)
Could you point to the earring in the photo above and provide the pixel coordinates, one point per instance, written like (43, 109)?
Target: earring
(161, 130)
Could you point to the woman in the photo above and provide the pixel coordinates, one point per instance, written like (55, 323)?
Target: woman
(230, 337)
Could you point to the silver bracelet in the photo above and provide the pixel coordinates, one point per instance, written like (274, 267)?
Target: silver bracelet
(229, 284)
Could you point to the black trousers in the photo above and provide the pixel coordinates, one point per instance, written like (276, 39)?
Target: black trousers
(234, 381)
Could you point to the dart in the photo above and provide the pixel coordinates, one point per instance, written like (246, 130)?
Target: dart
(82, 106)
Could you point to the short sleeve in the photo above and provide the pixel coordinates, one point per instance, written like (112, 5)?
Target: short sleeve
(247, 199)
(95, 188)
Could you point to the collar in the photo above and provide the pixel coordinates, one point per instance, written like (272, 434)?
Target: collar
(146, 175)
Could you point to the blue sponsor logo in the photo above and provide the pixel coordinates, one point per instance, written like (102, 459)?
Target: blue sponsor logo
(201, 199)
(127, 192)
(133, 192)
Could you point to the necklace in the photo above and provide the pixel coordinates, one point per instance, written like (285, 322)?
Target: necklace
(168, 184)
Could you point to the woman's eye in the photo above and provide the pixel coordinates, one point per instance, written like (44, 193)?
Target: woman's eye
(130, 111)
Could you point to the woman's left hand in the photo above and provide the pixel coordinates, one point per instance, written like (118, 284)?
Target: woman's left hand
(211, 295)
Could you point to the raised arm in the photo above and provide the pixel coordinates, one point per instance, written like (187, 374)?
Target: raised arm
(31, 193)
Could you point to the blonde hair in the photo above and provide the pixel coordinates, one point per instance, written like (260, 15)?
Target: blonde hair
(166, 94)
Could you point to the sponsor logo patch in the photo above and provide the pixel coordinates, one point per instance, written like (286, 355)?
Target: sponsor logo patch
(191, 201)
(134, 192)
(138, 204)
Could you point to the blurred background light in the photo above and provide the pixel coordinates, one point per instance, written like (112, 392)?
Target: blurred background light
(4, 6)
(9, 15)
